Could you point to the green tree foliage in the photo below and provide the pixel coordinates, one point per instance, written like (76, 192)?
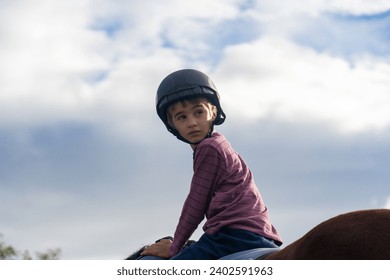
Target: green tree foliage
(8, 252)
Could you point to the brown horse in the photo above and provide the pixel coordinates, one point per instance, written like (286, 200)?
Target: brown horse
(359, 235)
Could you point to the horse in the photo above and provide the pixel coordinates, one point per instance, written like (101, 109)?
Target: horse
(357, 235)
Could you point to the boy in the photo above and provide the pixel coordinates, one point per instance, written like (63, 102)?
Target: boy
(222, 187)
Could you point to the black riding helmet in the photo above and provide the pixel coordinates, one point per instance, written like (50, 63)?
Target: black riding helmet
(182, 84)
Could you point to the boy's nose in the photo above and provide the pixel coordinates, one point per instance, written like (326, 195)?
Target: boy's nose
(192, 122)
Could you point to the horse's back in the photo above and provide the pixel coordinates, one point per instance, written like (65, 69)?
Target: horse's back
(363, 234)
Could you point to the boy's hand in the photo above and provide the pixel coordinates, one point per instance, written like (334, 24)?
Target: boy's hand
(159, 249)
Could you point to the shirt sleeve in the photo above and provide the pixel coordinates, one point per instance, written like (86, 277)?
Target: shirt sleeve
(207, 170)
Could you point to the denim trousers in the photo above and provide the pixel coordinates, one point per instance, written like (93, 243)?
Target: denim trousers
(224, 242)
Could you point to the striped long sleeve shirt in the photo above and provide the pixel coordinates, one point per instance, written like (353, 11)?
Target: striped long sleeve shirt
(223, 191)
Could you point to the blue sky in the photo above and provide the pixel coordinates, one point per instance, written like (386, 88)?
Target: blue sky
(87, 166)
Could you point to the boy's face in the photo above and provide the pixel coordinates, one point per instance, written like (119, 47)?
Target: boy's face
(192, 119)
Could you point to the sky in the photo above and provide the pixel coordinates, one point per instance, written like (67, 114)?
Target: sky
(87, 166)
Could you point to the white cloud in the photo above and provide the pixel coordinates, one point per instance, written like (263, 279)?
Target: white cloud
(387, 205)
(146, 25)
(53, 52)
(46, 51)
(358, 6)
(283, 8)
(287, 18)
(277, 78)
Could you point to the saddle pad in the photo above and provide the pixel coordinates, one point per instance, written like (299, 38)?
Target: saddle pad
(252, 254)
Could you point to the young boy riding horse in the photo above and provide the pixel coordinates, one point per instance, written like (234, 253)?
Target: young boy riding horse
(222, 187)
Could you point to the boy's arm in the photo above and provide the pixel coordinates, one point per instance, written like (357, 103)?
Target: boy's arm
(206, 173)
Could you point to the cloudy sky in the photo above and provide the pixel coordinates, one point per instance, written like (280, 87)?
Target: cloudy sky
(87, 166)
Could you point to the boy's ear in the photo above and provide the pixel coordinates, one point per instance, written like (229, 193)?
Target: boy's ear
(169, 119)
(215, 112)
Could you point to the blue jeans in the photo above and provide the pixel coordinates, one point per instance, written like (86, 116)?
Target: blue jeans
(226, 241)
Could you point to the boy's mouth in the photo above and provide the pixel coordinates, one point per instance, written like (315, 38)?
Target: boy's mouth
(193, 133)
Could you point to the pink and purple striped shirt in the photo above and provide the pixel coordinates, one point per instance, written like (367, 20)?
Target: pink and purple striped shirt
(223, 191)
